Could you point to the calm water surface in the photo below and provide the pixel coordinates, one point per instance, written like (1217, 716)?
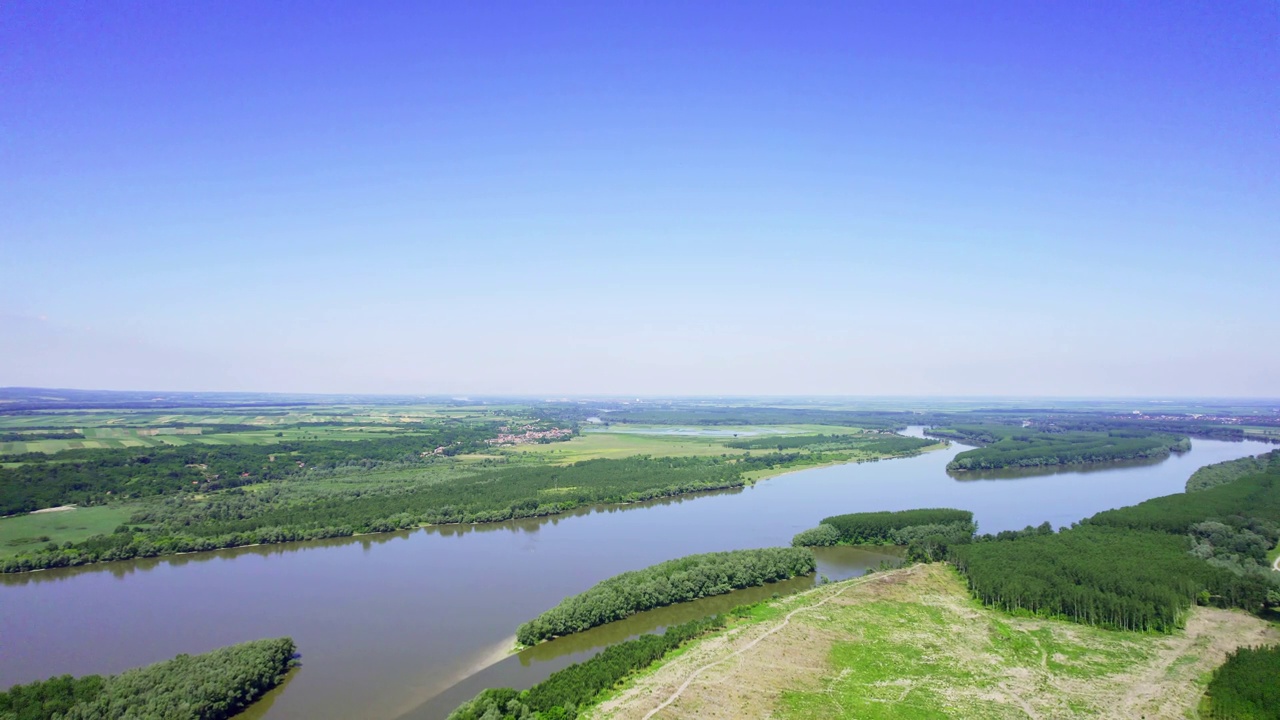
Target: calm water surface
(409, 624)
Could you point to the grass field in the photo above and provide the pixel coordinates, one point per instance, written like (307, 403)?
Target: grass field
(1275, 553)
(25, 532)
(913, 644)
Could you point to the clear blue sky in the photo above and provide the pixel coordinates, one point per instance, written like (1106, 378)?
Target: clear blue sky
(1011, 198)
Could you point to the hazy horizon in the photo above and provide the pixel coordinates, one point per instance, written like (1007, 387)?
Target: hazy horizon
(661, 200)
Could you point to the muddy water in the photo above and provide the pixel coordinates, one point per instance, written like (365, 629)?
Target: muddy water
(407, 624)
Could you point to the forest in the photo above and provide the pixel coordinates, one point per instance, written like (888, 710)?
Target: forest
(1007, 446)
(284, 513)
(1139, 567)
(1246, 687)
(927, 533)
(88, 477)
(673, 581)
(560, 696)
(1232, 470)
(212, 686)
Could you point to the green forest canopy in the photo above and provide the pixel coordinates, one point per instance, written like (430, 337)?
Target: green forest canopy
(212, 686)
(673, 581)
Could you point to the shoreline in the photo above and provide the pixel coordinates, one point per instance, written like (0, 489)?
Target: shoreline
(748, 481)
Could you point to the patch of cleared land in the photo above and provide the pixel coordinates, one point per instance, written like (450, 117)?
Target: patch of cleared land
(912, 644)
(28, 532)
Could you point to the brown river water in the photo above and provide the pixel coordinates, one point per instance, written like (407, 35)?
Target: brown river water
(407, 625)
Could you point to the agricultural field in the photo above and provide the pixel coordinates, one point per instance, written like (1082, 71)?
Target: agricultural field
(664, 441)
(53, 432)
(912, 644)
(34, 530)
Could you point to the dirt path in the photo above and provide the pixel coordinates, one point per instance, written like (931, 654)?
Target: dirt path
(785, 622)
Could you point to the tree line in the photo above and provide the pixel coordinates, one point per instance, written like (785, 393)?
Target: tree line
(1232, 470)
(927, 533)
(212, 686)
(235, 517)
(1022, 447)
(877, 443)
(673, 581)
(560, 696)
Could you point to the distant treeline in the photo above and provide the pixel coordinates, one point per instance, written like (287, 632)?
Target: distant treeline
(234, 518)
(1024, 447)
(1232, 470)
(674, 581)
(1140, 567)
(37, 435)
(87, 477)
(927, 533)
(212, 686)
(733, 416)
(560, 696)
(1246, 687)
(876, 443)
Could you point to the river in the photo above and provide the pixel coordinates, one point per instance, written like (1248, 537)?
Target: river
(405, 625)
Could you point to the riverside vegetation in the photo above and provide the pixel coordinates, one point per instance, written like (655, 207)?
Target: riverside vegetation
(926, 533)
(1012, 447)
(559, 696)
(212, 686)
(674, 581)
(202, 497)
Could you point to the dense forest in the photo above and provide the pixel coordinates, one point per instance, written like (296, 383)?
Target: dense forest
(1246, 687)
(927, 533)
(1232, 470)
(1006, 446)
(1139, 567)
(281, 514)
(680, 580)
(87, 477)
(212, 686)
(560, 696)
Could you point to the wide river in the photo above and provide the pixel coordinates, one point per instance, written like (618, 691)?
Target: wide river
(406, 625)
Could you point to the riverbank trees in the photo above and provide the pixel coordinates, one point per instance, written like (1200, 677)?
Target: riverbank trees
(680, 580)
(212, 686)
(1015, 447)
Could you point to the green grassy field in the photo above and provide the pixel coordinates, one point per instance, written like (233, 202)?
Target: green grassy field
(913, 644)
(1275, 553)
(25, 532)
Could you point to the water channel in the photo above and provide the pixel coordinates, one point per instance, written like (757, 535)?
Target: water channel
(406, 625)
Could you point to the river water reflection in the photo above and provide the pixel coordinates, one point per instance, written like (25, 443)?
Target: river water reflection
(407, 624)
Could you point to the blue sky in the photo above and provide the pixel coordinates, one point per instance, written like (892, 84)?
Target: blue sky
(642, 198)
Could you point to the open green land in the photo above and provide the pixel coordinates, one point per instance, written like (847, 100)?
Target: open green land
(913, 644)
(23, 533)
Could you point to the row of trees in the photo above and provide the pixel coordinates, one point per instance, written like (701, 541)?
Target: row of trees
(235, 518)
(871, 443)
(1021, 447)
(211, 686)
(1246, 687)
(680, 580)
(560, 696)
(879, 528)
